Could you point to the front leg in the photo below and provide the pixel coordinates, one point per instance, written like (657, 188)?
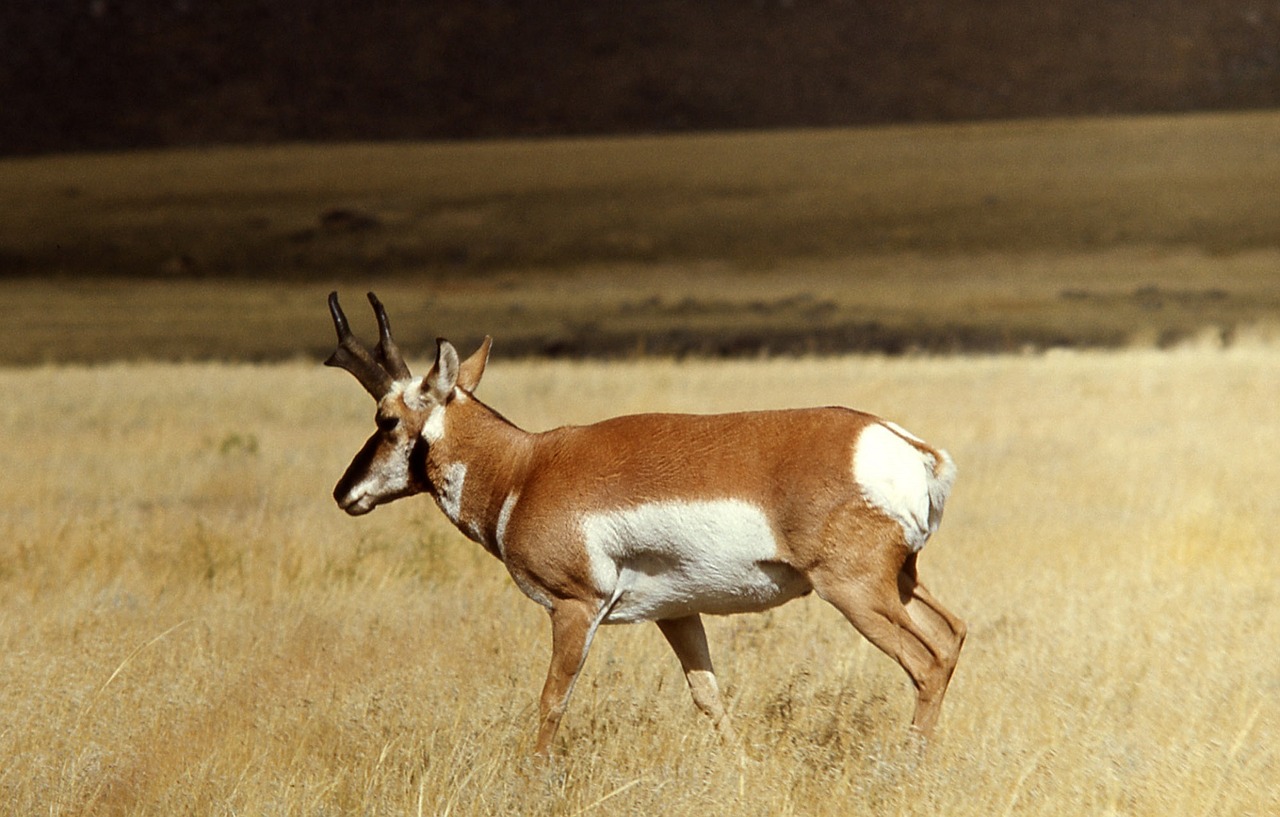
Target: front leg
(573, 624)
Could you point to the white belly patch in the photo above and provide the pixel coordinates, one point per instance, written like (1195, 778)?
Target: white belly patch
(674, 558)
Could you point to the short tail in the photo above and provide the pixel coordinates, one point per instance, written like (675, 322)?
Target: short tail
(940, 483)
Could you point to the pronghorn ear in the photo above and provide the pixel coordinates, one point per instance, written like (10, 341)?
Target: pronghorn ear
(443, 376)
(472, 369)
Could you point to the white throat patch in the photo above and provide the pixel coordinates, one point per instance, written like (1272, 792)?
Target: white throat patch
(433, 428)
(450, 495)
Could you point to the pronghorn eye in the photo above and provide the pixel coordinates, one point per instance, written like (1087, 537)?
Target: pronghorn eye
(387, 423)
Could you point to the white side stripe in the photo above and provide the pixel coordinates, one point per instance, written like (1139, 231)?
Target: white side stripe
(504, 519)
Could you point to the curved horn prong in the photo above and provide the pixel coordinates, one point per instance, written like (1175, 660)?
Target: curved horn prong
(387, 353)
(354, 357)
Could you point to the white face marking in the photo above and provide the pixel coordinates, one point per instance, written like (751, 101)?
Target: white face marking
(412, 391)
(504, 519)
(674, 558)
(450, 496)
(896, 478)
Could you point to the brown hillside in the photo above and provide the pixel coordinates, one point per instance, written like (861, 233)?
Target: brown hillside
(128, 73)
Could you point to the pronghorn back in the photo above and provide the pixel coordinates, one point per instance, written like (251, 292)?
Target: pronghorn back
(792, 466)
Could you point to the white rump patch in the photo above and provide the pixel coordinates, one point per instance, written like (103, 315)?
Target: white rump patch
(674, 558)
(898, 479)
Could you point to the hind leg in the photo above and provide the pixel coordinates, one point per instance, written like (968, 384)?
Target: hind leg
(944, 628)
(872, 604)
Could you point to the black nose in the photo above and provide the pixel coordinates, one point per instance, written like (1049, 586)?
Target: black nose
(356, 472)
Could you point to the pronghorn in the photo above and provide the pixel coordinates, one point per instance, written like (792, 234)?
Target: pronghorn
(665, 517)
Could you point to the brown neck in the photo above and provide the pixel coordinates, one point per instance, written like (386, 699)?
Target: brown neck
(480, 462)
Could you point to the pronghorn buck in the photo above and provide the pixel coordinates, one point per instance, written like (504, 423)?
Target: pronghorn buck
(665, 517)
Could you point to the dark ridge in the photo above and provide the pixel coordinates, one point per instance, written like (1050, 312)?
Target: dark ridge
(111, 74)
(850, 338)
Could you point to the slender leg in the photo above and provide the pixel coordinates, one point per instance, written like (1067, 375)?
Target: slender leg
(689, 642)
(943, 626)
(573, 624)
(877, 612)
(911, 590)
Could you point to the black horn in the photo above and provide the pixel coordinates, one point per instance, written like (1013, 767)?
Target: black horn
(388, 353)
(354, 357)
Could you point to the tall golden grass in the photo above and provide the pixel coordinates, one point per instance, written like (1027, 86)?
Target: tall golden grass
(189, 626)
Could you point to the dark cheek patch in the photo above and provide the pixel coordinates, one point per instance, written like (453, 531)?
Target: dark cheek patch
(418, 463)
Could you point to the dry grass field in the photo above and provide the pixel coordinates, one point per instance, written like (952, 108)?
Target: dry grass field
(189, 626)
